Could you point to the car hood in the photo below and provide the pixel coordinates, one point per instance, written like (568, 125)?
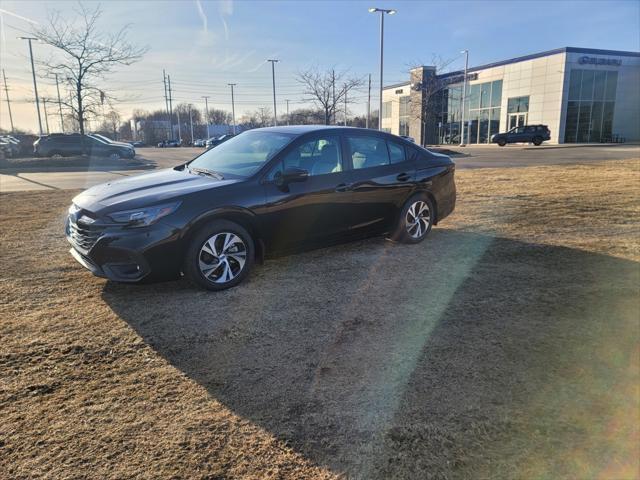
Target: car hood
(144, 190)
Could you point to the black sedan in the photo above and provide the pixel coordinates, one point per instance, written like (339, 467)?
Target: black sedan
(266, 192)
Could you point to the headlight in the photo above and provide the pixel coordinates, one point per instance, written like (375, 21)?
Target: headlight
(73, 209)
(141, 217)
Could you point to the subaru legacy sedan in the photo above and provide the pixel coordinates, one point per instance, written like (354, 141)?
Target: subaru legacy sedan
(265, 192)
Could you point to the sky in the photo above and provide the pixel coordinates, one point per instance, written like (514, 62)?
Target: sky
(204, 45)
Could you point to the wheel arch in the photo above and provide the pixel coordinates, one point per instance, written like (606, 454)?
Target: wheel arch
(242, 216)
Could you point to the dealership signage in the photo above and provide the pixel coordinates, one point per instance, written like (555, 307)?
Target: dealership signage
(600, 61)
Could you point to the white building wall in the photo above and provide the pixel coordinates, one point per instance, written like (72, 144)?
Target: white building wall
(541, 79)
(389, 95)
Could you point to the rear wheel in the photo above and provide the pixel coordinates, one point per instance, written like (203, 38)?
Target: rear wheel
(220, 256)
(416, 220)
(502, 142)
(537, 141)
(56, 155)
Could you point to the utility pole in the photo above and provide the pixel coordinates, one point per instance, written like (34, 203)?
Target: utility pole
(333, 103)
(345, 106)
(46, 117)
(369, 103)
(35, 85)
(166, 99)
(464, 96)
(287, 111)
(191, 123)
(170, 104)
(6, 91)
(206, 106)
(59, 105)
(273, 77)
(179, 129)
(233, 107)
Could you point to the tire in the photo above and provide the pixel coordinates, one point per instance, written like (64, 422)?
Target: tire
(502, 142)
(114, 156)
(537, 141)
(408, 231)
(208, 265)
(56, 154)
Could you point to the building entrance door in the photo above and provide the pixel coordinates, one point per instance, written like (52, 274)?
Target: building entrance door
(517, 120)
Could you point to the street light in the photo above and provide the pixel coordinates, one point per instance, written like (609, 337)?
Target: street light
(273, 77)
(33, 72)
(382, 11)
(233, 107)
(464, 96)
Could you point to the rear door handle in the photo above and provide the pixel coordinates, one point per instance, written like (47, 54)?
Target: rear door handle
(403, 177)
(344, 187)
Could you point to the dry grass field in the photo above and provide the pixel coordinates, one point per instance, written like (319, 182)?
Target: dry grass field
(504, 346)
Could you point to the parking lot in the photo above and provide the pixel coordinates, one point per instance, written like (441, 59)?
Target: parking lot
(504, 346)
(44, 173)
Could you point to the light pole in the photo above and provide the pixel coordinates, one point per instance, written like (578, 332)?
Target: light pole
(206, 107)
(464, 96)
(273, 77)
(382, 11)
(35, 86)
(287, 111)
(233, 107)
(191, 123)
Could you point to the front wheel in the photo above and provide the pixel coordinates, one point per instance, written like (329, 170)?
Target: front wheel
(502, 142)
(219, 256)
(537, 141)
(416, 219)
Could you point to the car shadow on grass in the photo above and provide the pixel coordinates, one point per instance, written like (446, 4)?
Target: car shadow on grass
(464, 356)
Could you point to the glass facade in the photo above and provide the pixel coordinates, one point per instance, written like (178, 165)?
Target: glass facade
(386, 110)
(482, 112)
(591, 101)
(405, 111)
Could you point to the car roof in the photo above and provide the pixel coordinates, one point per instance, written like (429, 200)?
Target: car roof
(302, 129)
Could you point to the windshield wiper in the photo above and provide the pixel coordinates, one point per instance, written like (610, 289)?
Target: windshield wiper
(210, 173)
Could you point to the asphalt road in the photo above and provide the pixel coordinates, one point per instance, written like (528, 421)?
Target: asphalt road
(93, 172)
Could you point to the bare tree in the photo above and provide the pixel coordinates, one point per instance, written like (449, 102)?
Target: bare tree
(320, 86)
(111, 123)
(85, 57)
(219, 117)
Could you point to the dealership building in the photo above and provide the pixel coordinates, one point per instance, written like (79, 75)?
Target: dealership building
(583, 95)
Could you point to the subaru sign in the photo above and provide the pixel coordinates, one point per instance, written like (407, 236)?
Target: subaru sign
(599, 61)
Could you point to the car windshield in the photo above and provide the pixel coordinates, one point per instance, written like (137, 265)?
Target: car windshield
(244, 154)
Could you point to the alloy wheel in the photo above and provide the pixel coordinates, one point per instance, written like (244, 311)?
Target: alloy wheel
(418, 219)
(222, 257)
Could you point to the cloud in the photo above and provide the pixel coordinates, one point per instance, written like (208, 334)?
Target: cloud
(203, 16)
(225, 8)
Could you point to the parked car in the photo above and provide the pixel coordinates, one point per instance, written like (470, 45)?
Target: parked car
(265, 192)
(199, 142)
(214, 142)
(407, 137)
(137, 144)
(169, 143)
(26, 143)
(535, 134)
(68, 145)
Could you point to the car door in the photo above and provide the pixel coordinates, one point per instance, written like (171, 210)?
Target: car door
(382, 179)
(312, 211)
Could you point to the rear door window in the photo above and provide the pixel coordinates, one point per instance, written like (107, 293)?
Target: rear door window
(367, 152)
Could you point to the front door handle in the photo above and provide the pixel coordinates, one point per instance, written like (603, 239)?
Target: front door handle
(403, 177)
(344, 187)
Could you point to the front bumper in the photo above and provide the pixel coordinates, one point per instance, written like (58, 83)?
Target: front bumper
(127, 255)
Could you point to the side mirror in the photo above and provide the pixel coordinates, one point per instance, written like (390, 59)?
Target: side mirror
(291, 175)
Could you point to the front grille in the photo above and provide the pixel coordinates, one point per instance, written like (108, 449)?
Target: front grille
(83, 236)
